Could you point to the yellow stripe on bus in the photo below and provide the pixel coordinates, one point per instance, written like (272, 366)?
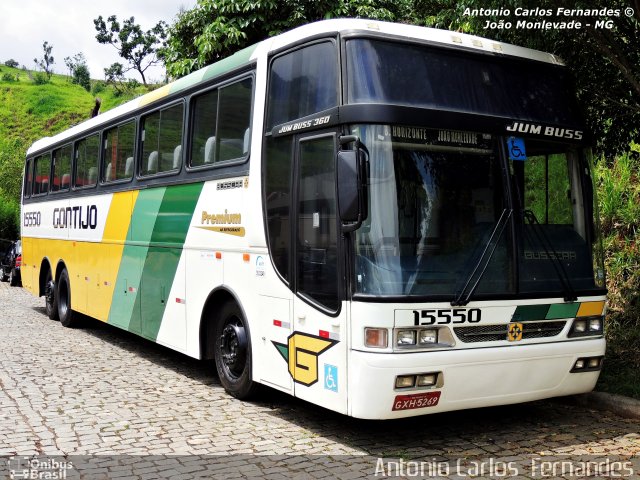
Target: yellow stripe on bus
(105, 257)
(588, 309)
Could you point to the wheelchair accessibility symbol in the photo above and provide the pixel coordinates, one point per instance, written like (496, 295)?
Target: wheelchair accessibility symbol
(330, 377)
(516, 148)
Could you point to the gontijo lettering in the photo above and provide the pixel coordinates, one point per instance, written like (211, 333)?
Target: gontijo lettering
(77, 217)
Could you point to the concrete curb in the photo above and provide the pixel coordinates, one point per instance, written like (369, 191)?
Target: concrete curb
(618, 404)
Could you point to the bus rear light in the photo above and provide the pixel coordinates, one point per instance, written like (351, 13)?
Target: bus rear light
(19, 261)
(376, 337)
(587, 364)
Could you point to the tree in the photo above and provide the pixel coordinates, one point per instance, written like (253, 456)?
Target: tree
(47, 60)
(11, 63)
(79, 70)
(214, 29)
(82, 77)
(137, 47)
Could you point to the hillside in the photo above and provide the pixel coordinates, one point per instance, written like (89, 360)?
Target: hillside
(29, 111)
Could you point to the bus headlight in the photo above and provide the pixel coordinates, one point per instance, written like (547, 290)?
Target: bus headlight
(426, 337)
(420, 338)
(586, 326)
(406, 338)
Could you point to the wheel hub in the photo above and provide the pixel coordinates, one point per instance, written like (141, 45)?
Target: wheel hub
(233, 347)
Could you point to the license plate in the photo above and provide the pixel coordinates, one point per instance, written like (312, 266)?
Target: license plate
(417, 400)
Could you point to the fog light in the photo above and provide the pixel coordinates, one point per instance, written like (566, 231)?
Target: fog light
(406, 337)
(428, 336)
(595, 324)
(580, 326)
(375, 337)
(593, 363)
(427, 380)
(579, 365)
(405, 381)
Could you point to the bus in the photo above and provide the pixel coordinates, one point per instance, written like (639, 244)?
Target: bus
(383, 220)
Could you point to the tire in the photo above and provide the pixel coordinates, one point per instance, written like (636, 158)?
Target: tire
(68, 318)
(3, 276)
(13, 278)
(50, 303)
(232, 352)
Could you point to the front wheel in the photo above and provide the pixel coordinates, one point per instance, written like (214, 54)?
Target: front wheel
(50, 304)
(68, 317)
(232, 352)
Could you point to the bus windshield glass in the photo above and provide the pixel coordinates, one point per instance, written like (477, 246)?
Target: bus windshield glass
(437, 199)
(428, 77)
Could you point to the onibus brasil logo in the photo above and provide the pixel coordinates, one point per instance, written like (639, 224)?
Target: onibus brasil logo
(301, 353)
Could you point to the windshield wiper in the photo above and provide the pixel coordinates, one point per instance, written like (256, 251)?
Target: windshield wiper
(561, 272)
(483, 261)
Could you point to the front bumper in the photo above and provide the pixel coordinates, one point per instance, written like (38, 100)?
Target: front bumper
(471, 378)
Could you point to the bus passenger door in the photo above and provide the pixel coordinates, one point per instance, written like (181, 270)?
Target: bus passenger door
(318, 343)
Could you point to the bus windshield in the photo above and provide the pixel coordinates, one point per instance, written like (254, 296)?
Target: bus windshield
(436, 198)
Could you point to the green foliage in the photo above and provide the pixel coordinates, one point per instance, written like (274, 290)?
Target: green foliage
(9, 77)
(215, 29)
(619, 202)
(98, 87)
(137, 47)
(40, 78)
(11, 63)
(9, 218)
(81, 76)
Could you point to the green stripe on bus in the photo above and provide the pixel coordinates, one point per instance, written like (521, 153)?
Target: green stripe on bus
(562, 310)
(524, 313)
(230, 63)
(161, 262)
(125, 310)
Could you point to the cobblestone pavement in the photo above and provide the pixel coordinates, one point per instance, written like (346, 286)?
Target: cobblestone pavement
(105, 393)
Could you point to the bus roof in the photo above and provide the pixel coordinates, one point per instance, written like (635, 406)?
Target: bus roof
(249, 54)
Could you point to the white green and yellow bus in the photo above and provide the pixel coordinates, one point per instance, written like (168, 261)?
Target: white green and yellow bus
(383, 220)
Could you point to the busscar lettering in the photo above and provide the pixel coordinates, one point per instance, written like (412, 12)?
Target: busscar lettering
(77, 217)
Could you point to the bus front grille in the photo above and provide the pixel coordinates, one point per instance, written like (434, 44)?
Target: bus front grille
(496, 333)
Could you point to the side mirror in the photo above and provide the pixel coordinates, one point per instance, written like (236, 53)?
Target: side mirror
(352, 186)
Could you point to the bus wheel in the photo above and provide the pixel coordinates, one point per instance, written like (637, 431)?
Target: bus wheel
(50, 297)
(232, 352)
(68, 318)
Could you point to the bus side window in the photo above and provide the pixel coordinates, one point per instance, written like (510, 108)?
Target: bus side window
(118, 148)
(61, 168)
(302, 82)
(162, 140)
(42, 171)
(234, 119)
(86, 167)
(28, 178)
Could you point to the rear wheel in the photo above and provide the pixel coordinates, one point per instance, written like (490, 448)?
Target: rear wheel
(232, 352)
(50, 303)
(68, 317)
